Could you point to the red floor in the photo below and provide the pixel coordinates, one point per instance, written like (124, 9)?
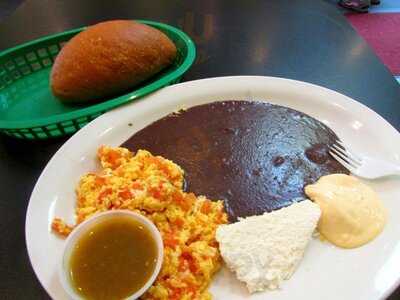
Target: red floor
(382, 32)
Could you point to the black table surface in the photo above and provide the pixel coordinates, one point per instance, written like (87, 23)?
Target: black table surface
(308, 40)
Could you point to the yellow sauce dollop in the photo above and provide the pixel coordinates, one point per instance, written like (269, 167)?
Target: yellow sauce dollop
(352, 213)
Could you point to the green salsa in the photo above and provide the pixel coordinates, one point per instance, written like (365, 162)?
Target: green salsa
(113, 260)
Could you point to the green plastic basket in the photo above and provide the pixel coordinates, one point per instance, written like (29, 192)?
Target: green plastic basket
(28, 109)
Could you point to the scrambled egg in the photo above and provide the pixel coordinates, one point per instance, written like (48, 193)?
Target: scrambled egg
(152, 185)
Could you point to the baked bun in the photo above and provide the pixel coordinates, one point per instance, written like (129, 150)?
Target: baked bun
(109, 58)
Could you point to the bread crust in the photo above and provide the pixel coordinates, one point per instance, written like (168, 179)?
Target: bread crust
(109, 58)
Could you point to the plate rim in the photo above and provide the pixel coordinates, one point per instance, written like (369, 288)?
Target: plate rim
(86, 130)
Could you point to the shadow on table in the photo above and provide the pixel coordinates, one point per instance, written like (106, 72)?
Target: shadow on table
(33, 154)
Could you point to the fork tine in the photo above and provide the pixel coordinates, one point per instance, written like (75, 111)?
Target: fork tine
(342, 157)
(340, 143)
(342, 161)
(346, 154)
(354, 156)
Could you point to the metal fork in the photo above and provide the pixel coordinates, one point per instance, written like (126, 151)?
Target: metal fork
(362, 165)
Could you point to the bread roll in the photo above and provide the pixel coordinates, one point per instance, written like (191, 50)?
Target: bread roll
(109, 58)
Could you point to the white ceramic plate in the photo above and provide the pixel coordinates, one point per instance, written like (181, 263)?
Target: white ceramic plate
(369, 272)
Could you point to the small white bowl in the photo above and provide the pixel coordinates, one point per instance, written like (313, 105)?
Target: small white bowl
(83, 228)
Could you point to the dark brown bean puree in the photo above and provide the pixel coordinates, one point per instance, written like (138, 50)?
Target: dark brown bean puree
(255, 156)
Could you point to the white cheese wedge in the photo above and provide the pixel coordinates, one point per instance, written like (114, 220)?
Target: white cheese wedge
(265, 250)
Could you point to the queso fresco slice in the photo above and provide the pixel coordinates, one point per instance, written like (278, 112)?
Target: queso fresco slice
(265, 250)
